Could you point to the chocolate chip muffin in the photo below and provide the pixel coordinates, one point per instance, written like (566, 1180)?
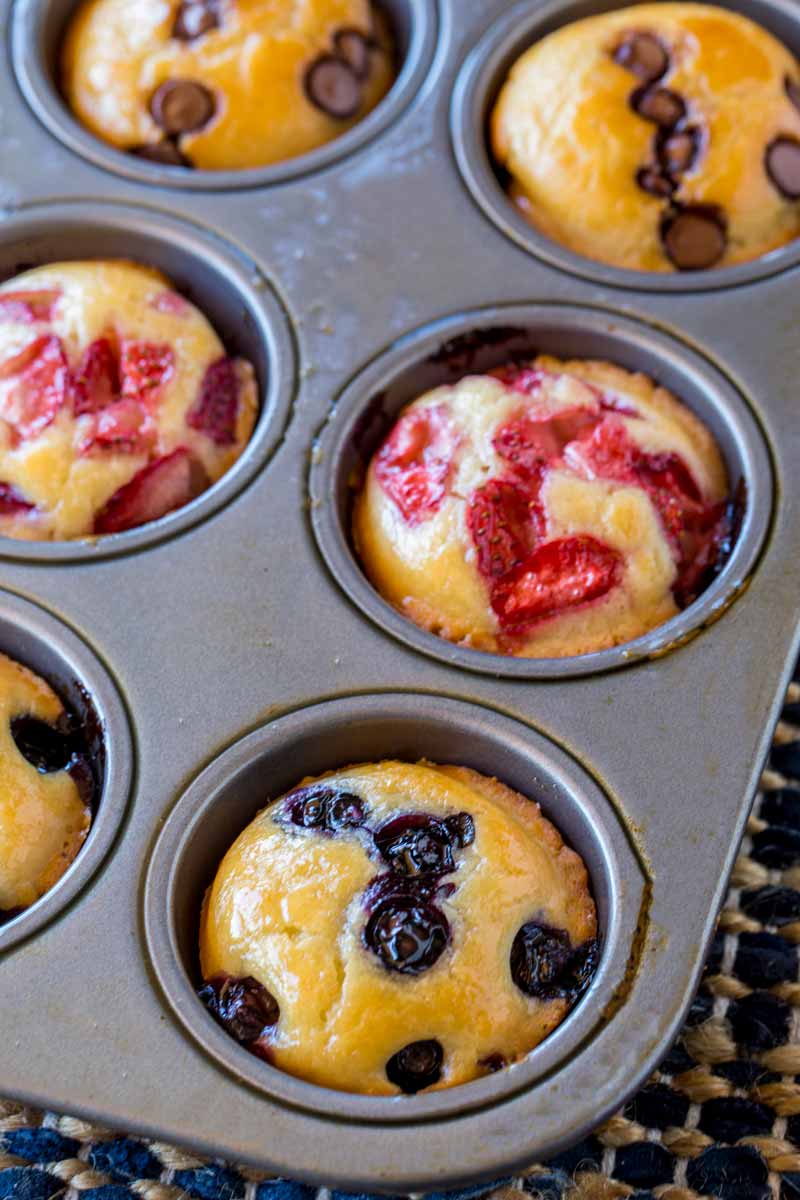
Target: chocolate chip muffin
(390, 928)
(224, 84)
(46, 788)
(544, 510)
(118, 403)
(658, 137)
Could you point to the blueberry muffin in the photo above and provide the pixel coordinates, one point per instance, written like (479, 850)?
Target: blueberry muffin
(659, 137)
(46, 789)
(224, 84)
(546, 509)
(390, 928)
(118, 403)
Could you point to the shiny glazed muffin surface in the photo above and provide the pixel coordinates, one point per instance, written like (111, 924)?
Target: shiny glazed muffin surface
(547, 509)
(698, 164)
(267, 79)
(369, 931)
(44, 789)
(118, 403)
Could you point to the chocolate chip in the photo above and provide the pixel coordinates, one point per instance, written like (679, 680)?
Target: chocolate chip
(165, 152)
(643, 55)
(181, 106)
(655, 182)
(416, 1066)
(792, 91)
(660, 105)
(782, 161)
(694, 237)
(194, 18)
(678, 151)
(352, 46)
(332, 85)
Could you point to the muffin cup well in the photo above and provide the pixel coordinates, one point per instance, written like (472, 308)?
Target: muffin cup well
(476, 90)
(37, 30)
(475, 342)
(228, 794)
(220, 281)
(33, 637)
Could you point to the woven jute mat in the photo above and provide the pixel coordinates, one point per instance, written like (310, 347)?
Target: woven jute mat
(720, 1118)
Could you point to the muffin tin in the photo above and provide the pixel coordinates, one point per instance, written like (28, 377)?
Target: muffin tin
(235, 646)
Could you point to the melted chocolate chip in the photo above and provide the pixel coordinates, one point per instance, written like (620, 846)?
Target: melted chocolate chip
(792, 91)
(326, 808)
(643, 55)
(694, 237)
(539, 956)
(659, 105)
(416, 844)
(407, 936)
(461, 829)
(782, 160)
(194, 18)
(678, 151)
(352, 46)
(655, 182)
(243, 1007)
(182, 106)
(332, 85)
(165, 152)
(416, 1066)
(44, 746)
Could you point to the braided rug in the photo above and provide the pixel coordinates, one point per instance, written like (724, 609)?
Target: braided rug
(720, 1118)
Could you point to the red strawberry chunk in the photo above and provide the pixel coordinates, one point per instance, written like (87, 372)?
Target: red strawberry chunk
(505, 521)
(704, 550)
(216, 409)
(41, 377)
(12, 502)
(145, 368)
(123, 426)
(95, 381)
(158, 489)
(28, 307)
(532, 439)
(521, 377)
(415, 463)
(557, 577)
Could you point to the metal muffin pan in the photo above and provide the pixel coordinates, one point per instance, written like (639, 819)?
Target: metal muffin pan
(240, 639)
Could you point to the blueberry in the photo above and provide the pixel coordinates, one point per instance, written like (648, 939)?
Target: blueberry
(539, 957)
(243, 1007)
(415, 845)
(45, 747)
(461, 829)
(326, 808)
(416, 1066)
(408, 935)
(493, 1063)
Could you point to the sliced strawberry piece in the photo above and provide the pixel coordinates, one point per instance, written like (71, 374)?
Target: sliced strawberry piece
(521, 377)
(532, 439)
(41, 377)
(170, 302)
(145, 368)
(505, 521)
(95, 381)
(608, 452)
(28, 307)
(124, 427)
(556, 577)
(158, 489)
(12, 502)
(415, 463)
(216, 408)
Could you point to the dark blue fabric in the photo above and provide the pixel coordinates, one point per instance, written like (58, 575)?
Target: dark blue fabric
(211, 1183)
(39, 1145)
(124, 1159)
(28, 1183)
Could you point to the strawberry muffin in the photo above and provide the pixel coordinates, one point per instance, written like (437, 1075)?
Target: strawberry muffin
(698, 164)
(224, 84)
(46, 788)
(118, 403)
(390, 928)
(545, 509)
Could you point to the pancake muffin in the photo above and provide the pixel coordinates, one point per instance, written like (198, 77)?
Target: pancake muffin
(657, 137)
(389, 928)
(118, 403)
(45, 789)
(224, 84)
(545, 509)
